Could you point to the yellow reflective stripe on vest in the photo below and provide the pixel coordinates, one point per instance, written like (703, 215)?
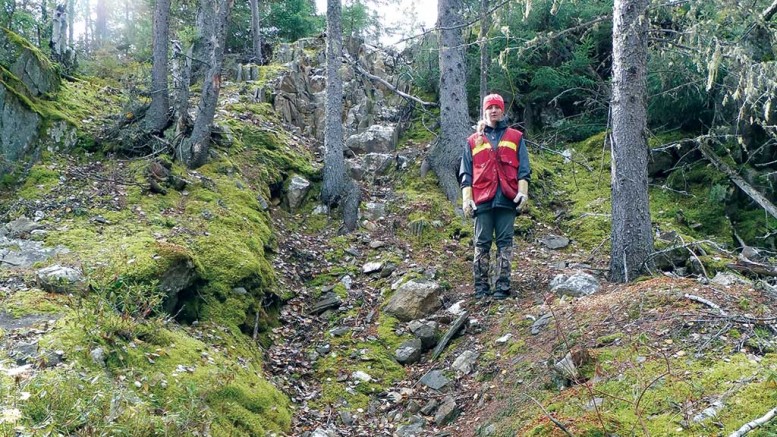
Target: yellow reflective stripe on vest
(508, 144)
(480, 148)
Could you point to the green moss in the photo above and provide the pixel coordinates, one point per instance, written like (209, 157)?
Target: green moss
(589, 205)
(18, 89)
(376, 358)
(24, 44)
(47, 109)
(516, 347)
(340, 290)
(752, 225)
(430, 216)
(156, 377)
(40, 179)
(609, 339)
(646, 396)
(32, 302)
(268, 155)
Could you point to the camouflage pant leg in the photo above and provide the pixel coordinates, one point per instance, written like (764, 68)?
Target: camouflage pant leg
(504, 262)
(480, 267)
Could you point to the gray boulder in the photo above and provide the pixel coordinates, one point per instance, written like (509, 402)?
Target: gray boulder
(414, 299)
(412, 429)
(29, 65)
(18, 128)
(577, 285)
(25, 253)
(434, 379)
(554, 241)
(465, 362)
(296, 191)
(446, 412)
(178, 277)
(378, 163)
(20, 226)
(374, 210)
(60, 279)
(426, 332)
(376, 139)
(409, 352)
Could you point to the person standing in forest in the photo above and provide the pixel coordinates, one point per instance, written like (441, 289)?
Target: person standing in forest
(494, 176)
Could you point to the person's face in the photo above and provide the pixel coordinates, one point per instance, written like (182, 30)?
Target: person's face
(494, 115)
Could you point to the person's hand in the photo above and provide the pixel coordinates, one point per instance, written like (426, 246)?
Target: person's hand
(467, 204)
(521, 199)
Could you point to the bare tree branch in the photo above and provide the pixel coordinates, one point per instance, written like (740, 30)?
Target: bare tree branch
(370, 76)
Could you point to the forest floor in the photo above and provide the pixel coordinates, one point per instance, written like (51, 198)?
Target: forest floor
(648, 353)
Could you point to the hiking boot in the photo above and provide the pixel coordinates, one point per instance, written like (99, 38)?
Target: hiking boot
(501, 295)
(480, 294)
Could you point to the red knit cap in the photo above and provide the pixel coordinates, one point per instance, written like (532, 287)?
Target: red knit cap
(493, 99)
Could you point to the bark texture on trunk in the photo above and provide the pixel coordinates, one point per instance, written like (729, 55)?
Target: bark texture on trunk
(71, 12)
(334, 162)
(58, 42)
(483, 37)
(337, 188)
(158, 115)
(181, 67)
(632, 235)
(445, 155)
(256, 36)
(194, 150)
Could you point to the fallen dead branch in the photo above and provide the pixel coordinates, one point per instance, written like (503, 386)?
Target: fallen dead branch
(704, 301)
(738, 180)
(753, 267)
(755, 423)
(552, 419)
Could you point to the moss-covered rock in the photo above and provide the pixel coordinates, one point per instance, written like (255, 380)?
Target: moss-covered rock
(39, 75)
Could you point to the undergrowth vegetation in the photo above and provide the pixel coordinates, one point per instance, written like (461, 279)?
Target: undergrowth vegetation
(149, 257)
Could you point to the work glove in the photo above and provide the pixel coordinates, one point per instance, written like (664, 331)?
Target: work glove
(522, 198)
(467, 204)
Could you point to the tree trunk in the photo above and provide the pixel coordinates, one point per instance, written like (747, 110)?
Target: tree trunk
(445, 155)
(87, 26)
(334, 162)
(483, 37)
(10, 11)
(59, 33)
(337, 187)
(129, 32)
(632, 236)
(200, 53)
(42, 24)
(181, 72)
(158, 115)
(101, 23)
(194, 150)
(71, 12)
(256, 35)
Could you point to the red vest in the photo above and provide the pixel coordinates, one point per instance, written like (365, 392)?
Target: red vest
(494, 166)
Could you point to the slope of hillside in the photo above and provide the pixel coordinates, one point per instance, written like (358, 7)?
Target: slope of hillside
(143, 298)
(667, 355)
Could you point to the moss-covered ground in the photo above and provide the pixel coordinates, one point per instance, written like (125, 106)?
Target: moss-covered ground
(657, 358)
(154, 376)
